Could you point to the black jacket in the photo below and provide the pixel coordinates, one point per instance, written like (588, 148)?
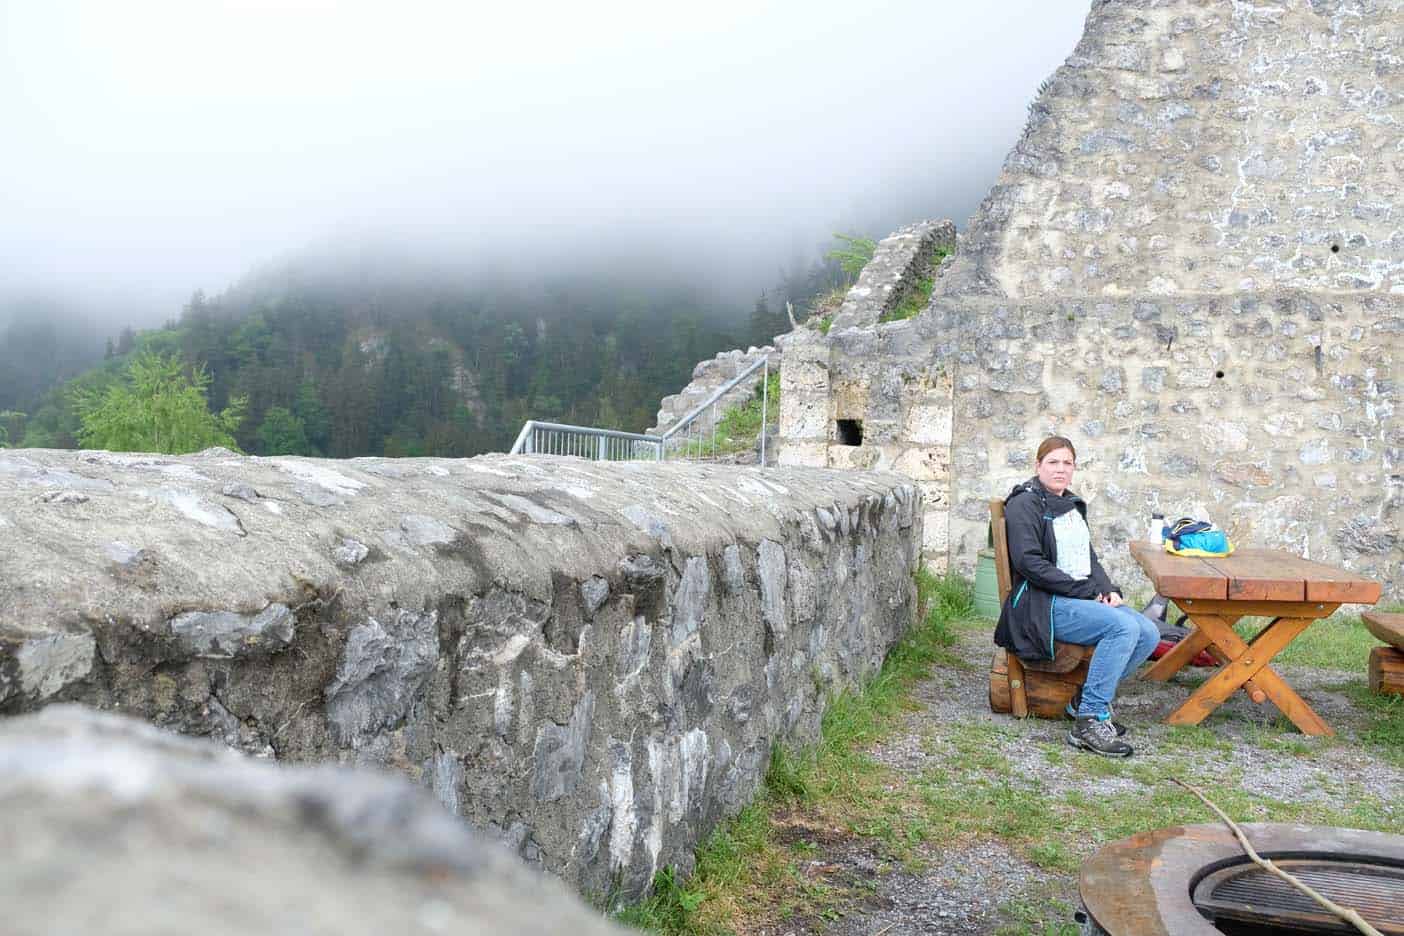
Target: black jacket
(1026, 620)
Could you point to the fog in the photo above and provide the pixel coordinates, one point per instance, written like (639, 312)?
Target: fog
(152, 148)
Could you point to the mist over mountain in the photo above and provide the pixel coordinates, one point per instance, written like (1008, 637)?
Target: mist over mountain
(646, 170)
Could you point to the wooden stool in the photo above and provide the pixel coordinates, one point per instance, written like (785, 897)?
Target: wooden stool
(1022, 687)
(1386, 663)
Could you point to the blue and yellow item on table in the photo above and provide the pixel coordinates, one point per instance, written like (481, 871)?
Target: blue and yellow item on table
(1190, 537)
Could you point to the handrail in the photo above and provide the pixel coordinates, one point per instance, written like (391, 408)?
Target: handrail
(717, 394)
(574, 440)
(589, 442)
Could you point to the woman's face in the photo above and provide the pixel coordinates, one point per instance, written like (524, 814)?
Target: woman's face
(1055, 471)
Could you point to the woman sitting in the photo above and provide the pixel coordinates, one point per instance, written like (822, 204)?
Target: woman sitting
(1061, 592)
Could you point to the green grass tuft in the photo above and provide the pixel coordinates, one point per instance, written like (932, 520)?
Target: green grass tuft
(740, 425)
(666, 909)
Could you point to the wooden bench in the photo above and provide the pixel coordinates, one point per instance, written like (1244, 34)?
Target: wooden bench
(1386, 663)
(1024, 687)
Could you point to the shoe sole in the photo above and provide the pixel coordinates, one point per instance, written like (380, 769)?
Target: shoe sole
(1084, 746)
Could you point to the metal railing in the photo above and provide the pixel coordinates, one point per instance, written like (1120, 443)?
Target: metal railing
(688, 438)
(549, 438)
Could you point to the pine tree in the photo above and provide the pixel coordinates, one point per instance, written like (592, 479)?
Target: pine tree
(157, 408)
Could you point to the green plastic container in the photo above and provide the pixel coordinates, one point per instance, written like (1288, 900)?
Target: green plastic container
(986, 585)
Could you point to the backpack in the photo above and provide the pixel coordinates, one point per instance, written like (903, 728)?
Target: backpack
(1190, 537)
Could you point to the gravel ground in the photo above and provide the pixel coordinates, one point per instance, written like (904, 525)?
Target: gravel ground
(979, 886)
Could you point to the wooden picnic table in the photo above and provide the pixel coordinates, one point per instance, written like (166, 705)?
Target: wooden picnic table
(1216, 593)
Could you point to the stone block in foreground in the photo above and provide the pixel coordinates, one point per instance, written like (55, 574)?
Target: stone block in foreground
(591, 661)
(111, 826)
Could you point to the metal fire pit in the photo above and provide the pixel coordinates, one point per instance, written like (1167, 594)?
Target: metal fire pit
(1196, 881)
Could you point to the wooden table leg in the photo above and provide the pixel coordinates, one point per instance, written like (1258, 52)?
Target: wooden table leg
(1255, 692)
(1249, 661)
(1186, 650)
(1179, 656)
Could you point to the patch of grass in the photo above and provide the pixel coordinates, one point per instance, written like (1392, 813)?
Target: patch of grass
(824, 324)
(1054, 855)
(1385, 732)
(667, 908)
(1039, 918)
(914, 300)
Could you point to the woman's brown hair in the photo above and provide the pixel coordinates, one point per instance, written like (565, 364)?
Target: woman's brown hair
(1052, 444)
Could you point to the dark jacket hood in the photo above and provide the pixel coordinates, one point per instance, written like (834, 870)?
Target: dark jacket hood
(1053, 504)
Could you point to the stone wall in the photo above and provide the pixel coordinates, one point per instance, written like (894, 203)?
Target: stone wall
(1191, 265)
(591, 661)
(115, 827)
(1204, 146)
(899, 261)
(885, 383)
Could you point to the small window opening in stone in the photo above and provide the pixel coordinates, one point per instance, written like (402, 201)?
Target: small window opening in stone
(1219, 374)
(1335, 248)
(850, 432)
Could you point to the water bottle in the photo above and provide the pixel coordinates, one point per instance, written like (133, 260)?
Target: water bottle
(1156, 534)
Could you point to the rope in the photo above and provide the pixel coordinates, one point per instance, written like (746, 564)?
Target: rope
(1345, 913)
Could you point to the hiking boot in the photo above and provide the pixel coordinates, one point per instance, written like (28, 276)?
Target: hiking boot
(1098, 736)
(1071, 711)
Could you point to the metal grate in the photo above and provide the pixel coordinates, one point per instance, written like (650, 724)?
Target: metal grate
(1245, 893)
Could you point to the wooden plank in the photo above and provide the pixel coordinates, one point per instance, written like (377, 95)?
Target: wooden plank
(1385, 626)
(1178, 577)
(1267, 609)
(1347, 587)
(1178, 658)
(1332, 583)
(1386, 671)
(1261, 575)
(1018, 686)
(1001, 549)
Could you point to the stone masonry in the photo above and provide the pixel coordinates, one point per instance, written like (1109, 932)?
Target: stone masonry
(899, 261)
(1192, 264)
(590, 661)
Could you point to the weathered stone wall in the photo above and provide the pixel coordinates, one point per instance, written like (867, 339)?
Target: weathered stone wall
(899, 261)
(1192, 266)
(1203, 146)
(888, 381)
(1274, 419)
(115, 827)
(590, 660)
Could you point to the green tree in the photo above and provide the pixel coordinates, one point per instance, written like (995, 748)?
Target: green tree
(282, 433)
(854, 255)
(11, 427)
(156, 408)
(315, 420)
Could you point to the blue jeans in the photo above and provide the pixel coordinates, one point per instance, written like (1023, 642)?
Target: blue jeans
(1123, 636)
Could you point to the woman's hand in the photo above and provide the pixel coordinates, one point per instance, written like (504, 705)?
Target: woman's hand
(1111, 598)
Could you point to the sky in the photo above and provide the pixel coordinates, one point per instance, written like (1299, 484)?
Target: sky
(152, 148)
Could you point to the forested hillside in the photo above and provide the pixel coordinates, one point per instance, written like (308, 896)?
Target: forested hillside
(341, 364)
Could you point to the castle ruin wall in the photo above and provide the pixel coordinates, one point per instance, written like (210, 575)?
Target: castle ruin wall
(590, 661)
